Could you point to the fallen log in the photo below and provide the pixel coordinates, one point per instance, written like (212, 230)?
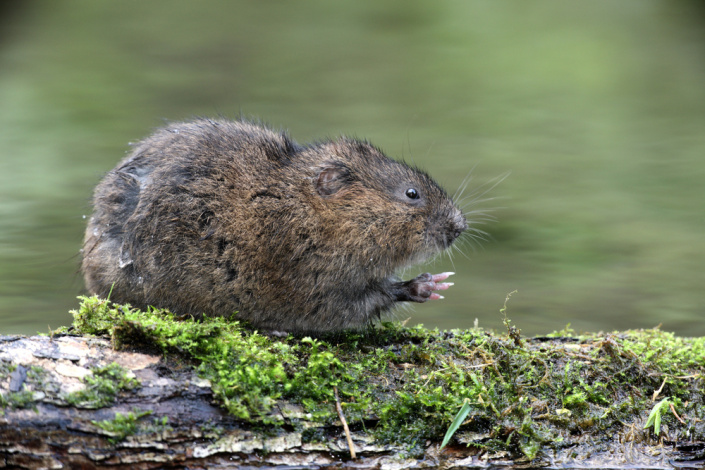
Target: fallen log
(139, 390)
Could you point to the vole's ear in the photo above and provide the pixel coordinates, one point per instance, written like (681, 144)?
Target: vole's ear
(331, 179)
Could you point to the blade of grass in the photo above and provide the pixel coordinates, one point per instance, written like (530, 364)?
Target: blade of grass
(459, 418)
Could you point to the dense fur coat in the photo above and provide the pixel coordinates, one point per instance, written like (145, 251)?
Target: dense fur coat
(213, 217)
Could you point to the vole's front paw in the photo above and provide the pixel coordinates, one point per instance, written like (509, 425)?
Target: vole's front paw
(422, 287)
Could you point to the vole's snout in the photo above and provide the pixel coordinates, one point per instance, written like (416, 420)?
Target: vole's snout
(450, 229)
(458, 225)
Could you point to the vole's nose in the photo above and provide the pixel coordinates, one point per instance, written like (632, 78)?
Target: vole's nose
(459, 225)
(455, 226)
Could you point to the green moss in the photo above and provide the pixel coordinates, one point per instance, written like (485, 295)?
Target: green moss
(124, 425)
(14, 400)
(102, 386)
(6, 368)
(406, 385)
(665, 351)
(32, 387)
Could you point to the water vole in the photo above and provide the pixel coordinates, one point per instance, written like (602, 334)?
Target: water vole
(213, 216)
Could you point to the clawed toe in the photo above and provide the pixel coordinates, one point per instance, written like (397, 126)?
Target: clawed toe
(421, 288)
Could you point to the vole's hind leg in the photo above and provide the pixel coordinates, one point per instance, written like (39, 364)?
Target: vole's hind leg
(421, 288)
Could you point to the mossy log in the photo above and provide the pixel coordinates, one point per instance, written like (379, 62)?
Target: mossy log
(130, 389)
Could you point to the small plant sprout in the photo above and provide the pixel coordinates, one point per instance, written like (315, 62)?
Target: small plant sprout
(655, 415)
(513, 331)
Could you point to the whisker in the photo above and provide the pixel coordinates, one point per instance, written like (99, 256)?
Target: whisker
(482, 190)
(464, 184)
(462, 252)
(475, 198)
(450, 256)
(481, 214)
(459, 248)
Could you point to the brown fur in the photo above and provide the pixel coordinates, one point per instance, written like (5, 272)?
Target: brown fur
(213, 216)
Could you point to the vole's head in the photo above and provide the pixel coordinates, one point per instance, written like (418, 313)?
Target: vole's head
(391, 214)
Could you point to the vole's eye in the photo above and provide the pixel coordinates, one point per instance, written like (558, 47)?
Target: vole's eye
(411, 193)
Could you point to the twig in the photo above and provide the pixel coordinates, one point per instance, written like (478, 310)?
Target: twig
(345, 423)
(658, 392)
(673, 410)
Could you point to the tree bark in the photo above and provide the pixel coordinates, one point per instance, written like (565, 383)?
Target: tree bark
(45, 425)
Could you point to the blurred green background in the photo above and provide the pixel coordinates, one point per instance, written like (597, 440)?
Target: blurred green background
(597, 109)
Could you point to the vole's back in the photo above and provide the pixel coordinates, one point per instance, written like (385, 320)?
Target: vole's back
(213, 217)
